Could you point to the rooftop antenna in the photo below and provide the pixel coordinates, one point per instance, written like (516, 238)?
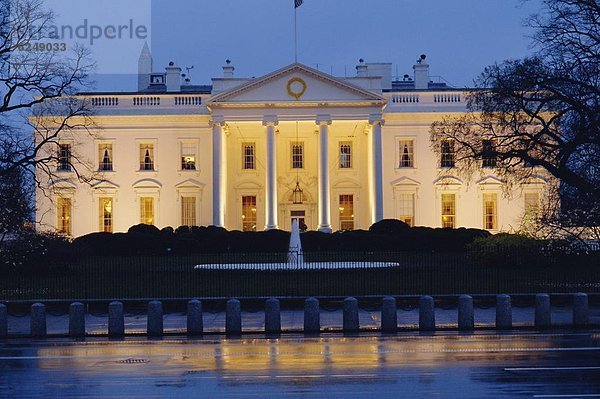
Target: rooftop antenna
(188, 69)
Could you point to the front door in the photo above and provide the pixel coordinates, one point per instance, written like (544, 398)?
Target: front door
(300, 216)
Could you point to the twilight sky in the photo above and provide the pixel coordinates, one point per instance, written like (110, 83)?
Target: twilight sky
(460, 37)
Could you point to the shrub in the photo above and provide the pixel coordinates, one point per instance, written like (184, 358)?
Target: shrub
(37, 253)
(512, 250)
(389, 226)
(144, 229)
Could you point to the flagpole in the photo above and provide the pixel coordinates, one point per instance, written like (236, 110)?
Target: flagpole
(295, 35)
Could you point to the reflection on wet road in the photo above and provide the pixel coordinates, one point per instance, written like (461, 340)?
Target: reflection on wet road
(482, 365)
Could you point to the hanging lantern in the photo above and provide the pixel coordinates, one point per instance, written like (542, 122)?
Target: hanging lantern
(298, 196)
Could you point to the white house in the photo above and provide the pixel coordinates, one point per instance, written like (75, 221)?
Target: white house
(296, 143)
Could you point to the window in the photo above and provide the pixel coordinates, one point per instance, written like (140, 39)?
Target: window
(106, 214)
(188, 157)
(407, 157)
(489, 158)
(490, 211)
(297, 155)
(449, 210)
(146, 156)
(147, 210)
(447, 154)
(406, 208)
(188, 211)
(64, 157)
(345, 155)
(532, 204)
(249, 213)
(157, 79)
(105, 157)
(63, 206)
(248, 156)
(346, 212)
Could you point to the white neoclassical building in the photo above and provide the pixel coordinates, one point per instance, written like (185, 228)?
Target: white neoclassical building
(256, 153)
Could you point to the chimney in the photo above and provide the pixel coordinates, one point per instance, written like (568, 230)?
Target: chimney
(173, 77)
(228, 70)
(361, 69)
(382, 70)
(421, 69)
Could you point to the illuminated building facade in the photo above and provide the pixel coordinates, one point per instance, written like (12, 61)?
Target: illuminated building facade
(253, 154)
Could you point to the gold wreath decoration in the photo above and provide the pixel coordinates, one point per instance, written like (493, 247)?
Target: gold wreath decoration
(296, 94)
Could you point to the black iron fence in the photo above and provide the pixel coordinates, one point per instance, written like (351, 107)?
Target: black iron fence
(314, 274)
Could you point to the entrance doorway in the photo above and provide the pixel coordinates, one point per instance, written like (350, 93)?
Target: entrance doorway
(300, 216)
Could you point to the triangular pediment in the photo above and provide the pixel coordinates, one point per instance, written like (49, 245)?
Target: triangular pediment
(63, 185)
(296, 83)
(105, 185)
(190, 183)
(490, 181)
(405, 181)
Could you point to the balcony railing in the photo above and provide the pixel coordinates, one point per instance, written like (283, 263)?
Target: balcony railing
(454, 100)
(141, 101)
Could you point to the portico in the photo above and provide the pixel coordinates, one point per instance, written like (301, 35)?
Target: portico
(295, 122)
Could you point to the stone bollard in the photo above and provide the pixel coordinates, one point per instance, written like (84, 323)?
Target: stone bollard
(542, 311)
(77, 319)
(581, 311)
(38, 320)
(116, 320)
(351, 323)
(155, 319)
(3, 321)
(233, 317)
(503, 312)
(312, 316)
(195, 322)
(426, 314)
(466, 317)
(272, 316)
(389, 315)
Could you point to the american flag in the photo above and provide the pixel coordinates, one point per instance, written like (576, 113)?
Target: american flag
(298, 3)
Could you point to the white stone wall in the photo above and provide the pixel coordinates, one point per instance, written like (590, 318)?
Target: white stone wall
(167, 120)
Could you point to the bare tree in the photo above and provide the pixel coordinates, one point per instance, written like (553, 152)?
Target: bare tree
(540, 113)
(38, 106)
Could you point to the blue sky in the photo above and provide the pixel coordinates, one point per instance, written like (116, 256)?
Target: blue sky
(460, 37)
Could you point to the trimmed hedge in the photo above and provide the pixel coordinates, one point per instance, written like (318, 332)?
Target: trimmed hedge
(387, 235)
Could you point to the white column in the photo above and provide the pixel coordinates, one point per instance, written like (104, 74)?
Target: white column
(376, 178)
(219, 172)
(324, 188)
(271, 182)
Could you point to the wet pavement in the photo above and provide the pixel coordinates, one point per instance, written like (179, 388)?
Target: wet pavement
(292, 320)
(447, 365)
